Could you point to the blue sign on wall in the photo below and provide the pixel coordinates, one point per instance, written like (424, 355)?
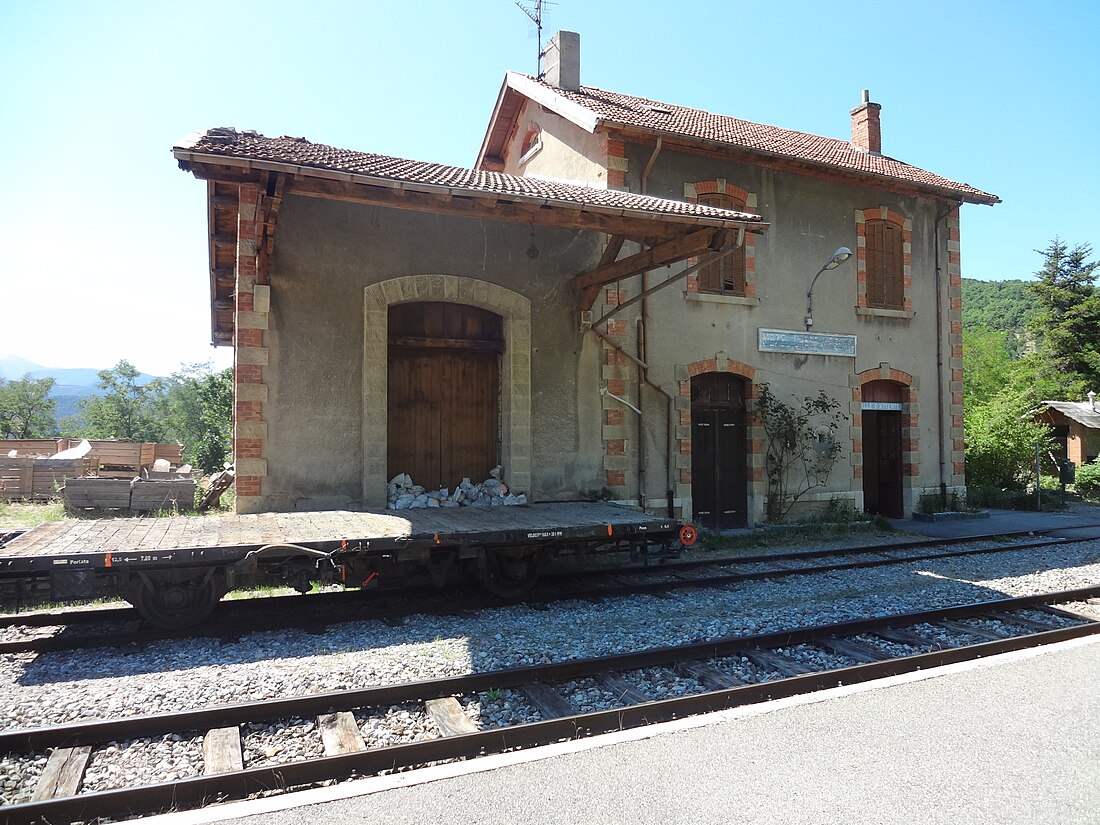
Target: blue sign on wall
(807, 343)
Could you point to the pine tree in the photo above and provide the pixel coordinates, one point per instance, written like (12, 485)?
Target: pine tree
(1068, 324)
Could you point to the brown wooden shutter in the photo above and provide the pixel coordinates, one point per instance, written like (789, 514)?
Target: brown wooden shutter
(876, 290)
(727, 275)
(885, 265)
(894, 295)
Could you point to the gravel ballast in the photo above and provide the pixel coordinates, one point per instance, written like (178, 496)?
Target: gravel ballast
(52, 688)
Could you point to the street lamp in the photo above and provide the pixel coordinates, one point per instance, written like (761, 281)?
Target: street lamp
(839, 257)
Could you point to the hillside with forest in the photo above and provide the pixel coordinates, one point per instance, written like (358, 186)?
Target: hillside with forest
(1000, 305)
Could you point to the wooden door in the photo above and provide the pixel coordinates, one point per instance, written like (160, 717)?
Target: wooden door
(882, 463)
(719, 471)
(883, 471)
(444, 392)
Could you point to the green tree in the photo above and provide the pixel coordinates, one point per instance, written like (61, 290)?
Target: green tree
(987, 364)
(197, 410)
(1001, 434)
(125, 409)
(1068, 323)
(26, 409)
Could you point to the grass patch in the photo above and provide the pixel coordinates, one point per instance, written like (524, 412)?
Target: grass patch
(22, 515)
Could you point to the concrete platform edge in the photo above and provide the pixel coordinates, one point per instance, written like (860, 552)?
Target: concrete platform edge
(371, 785)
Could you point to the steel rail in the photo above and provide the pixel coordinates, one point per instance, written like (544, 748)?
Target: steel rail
(61, 642)
(194, 791)
(94, 731)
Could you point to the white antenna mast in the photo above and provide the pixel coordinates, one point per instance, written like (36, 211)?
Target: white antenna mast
(535, 14)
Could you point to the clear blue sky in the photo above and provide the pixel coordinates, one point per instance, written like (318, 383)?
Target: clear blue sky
(102, 238)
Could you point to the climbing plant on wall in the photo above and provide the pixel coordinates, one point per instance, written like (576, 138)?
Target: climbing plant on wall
(801, 445)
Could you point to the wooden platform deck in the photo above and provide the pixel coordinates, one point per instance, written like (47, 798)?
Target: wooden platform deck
(155, 539)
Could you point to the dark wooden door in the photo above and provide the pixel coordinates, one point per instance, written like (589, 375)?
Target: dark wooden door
(882, 463)
(719, 472)
(444, 392)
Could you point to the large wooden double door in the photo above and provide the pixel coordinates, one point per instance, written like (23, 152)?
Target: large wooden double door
(719, 454)
(443, 418)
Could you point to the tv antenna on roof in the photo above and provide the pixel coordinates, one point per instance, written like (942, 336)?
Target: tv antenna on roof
(535, 14)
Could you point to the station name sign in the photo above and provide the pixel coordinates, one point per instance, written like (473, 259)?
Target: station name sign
(807, 343)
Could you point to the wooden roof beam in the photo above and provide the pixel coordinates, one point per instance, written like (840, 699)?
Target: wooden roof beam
(498, 208)
(587, 285)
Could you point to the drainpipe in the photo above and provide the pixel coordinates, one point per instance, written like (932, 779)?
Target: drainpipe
(939, 351)
(643, 365)
(643, 372)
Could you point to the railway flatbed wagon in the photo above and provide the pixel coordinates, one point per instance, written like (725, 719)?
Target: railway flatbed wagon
(175, 569)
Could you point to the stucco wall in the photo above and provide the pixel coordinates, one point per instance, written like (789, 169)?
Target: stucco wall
(326, 254)
(809, 218)
(567, 152)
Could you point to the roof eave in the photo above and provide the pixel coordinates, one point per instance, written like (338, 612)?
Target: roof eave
(984, 198)
(186, 156)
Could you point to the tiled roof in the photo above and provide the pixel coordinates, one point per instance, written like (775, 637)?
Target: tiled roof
(299, 152)
(1080, 411)
(627, 110)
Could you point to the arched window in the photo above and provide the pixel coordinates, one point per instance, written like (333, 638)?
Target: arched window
(532, 143)
(885, 265)
(727, 275)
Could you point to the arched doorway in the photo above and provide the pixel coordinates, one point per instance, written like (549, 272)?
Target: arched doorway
(719, 467)
(443, 408)
(882, 403)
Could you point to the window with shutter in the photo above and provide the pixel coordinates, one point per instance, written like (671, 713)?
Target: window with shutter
(885, 265)
(727, 275)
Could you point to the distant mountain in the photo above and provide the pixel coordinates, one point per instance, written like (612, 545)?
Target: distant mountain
(71, 384)
(15, 367)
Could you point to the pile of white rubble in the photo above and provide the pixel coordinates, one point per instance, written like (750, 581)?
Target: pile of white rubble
(404, 495)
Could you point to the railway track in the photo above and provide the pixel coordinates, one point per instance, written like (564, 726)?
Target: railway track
(842, 653)
(321, 610)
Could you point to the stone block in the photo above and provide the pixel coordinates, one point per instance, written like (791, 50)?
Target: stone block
(251, 429)
(252, 320)
(616, 462)
(251, 392)
(261, 298)
(252, 355)
(251, 467)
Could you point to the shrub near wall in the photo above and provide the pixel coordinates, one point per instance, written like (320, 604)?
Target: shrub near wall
(1087, 481)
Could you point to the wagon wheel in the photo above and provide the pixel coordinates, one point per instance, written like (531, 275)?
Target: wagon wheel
(509, 573)
(176, 599)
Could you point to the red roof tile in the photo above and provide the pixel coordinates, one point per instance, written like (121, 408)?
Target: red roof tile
(668, 118)
(294, 151)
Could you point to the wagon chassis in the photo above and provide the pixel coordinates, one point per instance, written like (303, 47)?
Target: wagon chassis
(179, 586)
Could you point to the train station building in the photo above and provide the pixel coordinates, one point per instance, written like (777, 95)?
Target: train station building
(595, 306)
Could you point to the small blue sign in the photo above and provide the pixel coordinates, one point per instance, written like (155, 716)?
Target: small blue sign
(807, 343)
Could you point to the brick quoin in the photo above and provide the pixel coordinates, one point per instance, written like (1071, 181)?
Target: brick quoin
(616, 328)
(617, 386)
(616, 478)
(613, 417)
(247, 410)
(248, 447)
(250, 337)
(248, 374)
(616, 358)
(247, 485)
(685, 476)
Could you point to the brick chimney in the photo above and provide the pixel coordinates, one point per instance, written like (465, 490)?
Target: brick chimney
(866, 132)
(563, 61)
